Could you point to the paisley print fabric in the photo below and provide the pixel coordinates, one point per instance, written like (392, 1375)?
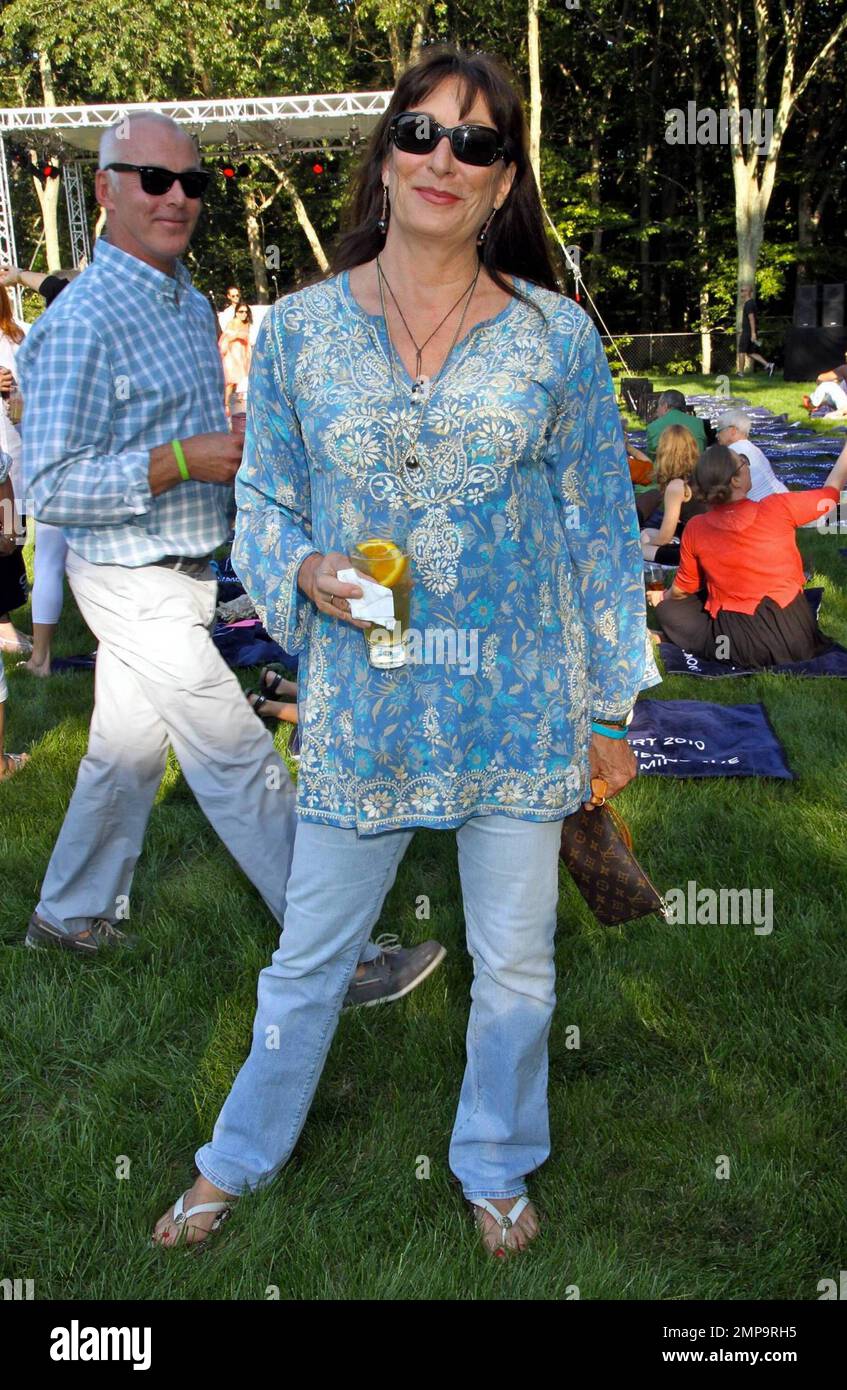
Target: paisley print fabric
(527, 607)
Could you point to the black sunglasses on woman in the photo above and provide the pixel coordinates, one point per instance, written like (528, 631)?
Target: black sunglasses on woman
(414, 132)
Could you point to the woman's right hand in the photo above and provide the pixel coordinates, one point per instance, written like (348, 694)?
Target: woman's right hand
(318, 580)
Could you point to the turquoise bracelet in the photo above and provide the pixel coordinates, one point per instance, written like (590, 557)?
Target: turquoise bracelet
(606, 731)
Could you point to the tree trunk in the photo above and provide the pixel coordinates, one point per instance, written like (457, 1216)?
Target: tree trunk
(398, 57)
(702, 263)
(534, 91)
(418, 32)
(48, 196)
(750, 209)
(257, 250)
(284, 180)
(644, 243)
(594, 198)
(646, 173)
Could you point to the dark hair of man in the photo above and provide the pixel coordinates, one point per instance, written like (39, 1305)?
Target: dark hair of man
(714, 472)
(516, 243)
(674, 400)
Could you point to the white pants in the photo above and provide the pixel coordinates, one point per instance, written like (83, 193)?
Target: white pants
(51, 550)
(830, 391)
(161, 681)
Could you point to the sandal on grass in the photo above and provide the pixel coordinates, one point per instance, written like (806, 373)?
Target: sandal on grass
(271, 680)
(283, 713)
(181, 1217)
(257, 702)
(12, 763)
(505, 1221)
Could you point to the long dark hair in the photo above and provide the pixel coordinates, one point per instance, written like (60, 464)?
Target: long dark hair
(516, 243)
(714, 472)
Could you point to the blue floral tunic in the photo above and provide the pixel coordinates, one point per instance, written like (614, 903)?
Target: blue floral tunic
(528, 601)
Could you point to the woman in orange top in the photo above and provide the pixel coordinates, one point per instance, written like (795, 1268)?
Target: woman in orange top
(738, 593)
(234, 345)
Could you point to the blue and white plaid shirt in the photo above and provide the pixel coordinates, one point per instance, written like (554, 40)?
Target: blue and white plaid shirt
(124, 360)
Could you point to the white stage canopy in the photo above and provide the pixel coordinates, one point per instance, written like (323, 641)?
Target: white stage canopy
(284, 125)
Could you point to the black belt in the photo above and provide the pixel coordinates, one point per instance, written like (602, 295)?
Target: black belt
(192, 565)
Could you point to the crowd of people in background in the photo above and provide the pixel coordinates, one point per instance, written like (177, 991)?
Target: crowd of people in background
(727, 524)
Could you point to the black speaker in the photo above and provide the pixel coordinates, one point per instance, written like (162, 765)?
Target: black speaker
(806, 307)
(632, 391)
(832, 306)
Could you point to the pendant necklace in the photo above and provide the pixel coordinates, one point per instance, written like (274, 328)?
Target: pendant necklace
(410, 459)
(419, 351)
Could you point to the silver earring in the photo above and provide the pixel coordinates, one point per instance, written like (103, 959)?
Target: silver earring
(382, 220)
(484, 232)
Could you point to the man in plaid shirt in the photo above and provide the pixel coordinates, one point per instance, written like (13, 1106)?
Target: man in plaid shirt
(126, 448)
(125, 363)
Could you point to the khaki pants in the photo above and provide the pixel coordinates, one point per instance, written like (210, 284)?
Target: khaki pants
(160, 681)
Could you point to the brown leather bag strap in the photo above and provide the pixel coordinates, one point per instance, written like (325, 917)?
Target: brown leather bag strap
(599, 787)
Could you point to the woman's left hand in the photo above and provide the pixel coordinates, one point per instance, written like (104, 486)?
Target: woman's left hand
(613, 760)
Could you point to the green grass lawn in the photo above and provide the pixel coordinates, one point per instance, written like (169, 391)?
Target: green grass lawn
(696, 1042)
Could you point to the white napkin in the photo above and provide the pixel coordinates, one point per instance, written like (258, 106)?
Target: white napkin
(377, 602)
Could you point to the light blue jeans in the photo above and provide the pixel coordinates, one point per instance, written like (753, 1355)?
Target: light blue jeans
(337, 886)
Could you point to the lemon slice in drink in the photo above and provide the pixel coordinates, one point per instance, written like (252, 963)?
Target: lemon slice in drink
(386, 561)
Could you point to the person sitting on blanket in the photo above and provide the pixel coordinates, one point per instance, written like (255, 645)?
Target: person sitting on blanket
(738, 593)
(733, 429)
(671, 409)
(675, 459)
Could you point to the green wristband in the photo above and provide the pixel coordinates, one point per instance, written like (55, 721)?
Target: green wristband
(180, 460)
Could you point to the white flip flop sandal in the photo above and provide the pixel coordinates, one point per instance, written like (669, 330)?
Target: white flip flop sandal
(504, 1220)
(181, 1216)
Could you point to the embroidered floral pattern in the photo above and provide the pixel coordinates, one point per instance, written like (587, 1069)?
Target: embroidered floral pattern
(521, 529)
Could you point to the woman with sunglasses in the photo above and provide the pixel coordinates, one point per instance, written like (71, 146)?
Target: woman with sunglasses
(234, 344)
(436, 388)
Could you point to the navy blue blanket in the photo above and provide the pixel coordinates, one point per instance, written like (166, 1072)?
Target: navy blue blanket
(692, 738)
(829, 663)
(241, 644)
(681, 663)
(248, 644)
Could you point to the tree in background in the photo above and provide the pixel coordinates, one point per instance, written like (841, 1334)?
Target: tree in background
(775, 59)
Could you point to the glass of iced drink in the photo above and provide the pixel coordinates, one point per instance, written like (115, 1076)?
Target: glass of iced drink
(387, 562)
(654, 583)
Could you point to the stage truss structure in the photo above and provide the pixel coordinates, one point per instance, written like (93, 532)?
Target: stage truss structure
(240, 127)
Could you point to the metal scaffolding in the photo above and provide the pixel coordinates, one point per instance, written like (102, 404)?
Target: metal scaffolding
(8, 250)
(282, 125)
(77, 221)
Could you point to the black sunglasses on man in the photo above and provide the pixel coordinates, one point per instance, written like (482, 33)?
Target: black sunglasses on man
(156, 181)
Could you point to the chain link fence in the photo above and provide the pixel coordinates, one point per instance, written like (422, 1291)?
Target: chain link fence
(671, 354)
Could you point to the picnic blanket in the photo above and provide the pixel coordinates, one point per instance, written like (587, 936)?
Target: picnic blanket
(681, 663)
(830, 663)
(693, 738)
(248, 644)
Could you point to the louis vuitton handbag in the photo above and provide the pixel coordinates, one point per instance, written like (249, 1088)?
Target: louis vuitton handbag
(596, 849)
